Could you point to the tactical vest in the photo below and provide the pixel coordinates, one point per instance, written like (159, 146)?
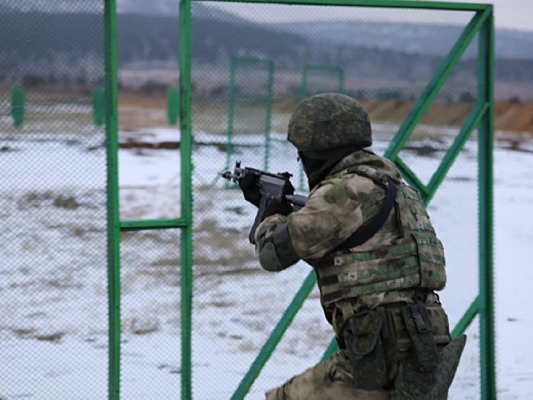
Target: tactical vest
(415, 260)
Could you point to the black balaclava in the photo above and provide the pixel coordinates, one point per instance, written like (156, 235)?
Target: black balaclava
(317, 165)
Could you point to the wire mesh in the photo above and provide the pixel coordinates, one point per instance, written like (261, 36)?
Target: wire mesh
(364, 53)
(53, 330)
(53, 324)
(150, 305)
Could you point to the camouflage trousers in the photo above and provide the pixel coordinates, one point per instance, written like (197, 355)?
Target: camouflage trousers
(328, 380)
(381, 376)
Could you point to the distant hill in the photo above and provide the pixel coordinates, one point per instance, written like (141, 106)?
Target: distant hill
(434, 39)
(68, 47)
(407, 37)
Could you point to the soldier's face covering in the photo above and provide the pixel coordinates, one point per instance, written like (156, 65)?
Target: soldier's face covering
(317, 165)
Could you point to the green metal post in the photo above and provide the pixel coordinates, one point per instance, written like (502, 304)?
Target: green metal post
(173, 105)
(433, 87)
(304, 92)
(113, 217)
(409, 4)
(231, 108)
(466, 319)
(305, 77)
(482, 116)
(18, 105)
(186, 197)
(268, 116)
(303, 84)
(486, 204)
(98, 103)
(231, 102)
(275, 337)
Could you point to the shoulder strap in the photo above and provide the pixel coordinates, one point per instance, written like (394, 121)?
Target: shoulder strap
(360, 236)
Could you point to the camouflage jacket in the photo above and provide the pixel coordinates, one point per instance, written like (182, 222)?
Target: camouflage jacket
(382, 269)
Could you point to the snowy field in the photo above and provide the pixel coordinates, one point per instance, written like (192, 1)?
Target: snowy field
(53, 299)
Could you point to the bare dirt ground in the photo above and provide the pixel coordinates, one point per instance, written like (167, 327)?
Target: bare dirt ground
(513, 120)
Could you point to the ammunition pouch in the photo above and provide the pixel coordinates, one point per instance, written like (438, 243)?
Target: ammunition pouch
(365, 350)
(377, 341)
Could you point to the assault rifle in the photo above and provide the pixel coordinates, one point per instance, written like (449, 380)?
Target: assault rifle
(269, 186)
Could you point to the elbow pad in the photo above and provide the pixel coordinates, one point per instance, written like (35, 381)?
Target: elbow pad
(275, 251)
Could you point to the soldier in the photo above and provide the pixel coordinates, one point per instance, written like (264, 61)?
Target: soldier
(377, 258)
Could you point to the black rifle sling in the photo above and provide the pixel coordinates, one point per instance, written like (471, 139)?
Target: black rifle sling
(360, 236)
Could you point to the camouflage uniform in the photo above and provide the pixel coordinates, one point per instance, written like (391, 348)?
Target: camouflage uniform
(379, 295)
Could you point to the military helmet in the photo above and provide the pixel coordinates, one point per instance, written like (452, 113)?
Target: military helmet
(329, 121)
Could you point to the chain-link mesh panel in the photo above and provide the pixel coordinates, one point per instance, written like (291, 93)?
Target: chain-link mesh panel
(150, 308)
(148, 136)
(321, 79)
(385, 58)
(466, 383)
(53, 331)
(53, 298)
(455, 202)
(250, 104)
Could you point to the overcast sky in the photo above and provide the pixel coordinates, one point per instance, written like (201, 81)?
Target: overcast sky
(512, 14)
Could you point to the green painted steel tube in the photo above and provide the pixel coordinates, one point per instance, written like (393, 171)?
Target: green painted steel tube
(98, 104)
(173, 99)
(304, 93)
(466, 319)
(268, 117)
(186, 197)
(433, 87)
(413, 180)
(303, 84)
(316, 67)
(486, 204)
(18, 105)
(231, 102)
(113, 217)
(484, 13)
(275, 337)
(139, 225)
(466, 131)
(231, 108)
(333, 347)
(428, 5)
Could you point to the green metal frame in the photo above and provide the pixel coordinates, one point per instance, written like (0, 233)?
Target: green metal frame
(304, 92)
(313, 67)
(481, 117)
(115, 226)
(231, 107)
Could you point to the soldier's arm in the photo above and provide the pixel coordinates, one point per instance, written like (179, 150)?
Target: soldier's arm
(331, 214)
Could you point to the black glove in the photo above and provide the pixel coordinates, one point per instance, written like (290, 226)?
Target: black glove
(248, 185)
(277, 207)
(289, 189)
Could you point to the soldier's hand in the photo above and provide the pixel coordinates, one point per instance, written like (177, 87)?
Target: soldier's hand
(277, 207)
(250, 189)
(288, 189)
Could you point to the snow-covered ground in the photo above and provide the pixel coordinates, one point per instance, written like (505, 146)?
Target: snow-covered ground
(53, 299)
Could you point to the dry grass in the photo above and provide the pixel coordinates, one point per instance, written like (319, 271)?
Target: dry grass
(136, 111)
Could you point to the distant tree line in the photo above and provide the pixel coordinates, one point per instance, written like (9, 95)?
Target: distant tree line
(46, 48)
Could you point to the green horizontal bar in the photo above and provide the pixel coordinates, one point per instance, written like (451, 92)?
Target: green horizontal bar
(429, 5)
(466, 319)
(252, 60)
(138, 225)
